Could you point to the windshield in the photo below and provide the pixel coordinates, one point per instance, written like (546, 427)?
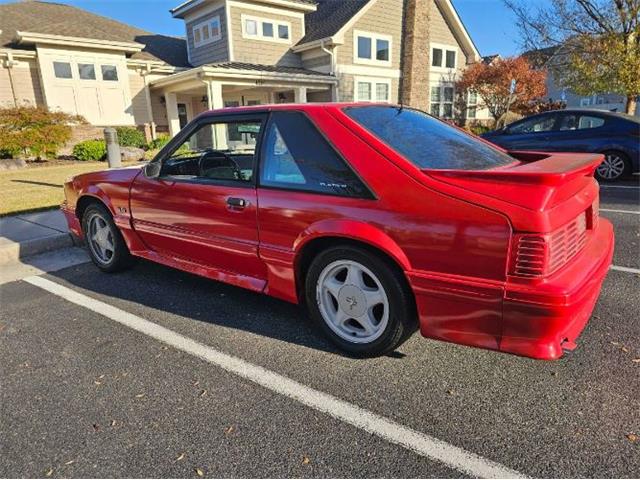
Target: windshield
(427, 142)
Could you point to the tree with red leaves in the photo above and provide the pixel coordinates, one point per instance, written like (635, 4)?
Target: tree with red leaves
(492, 82)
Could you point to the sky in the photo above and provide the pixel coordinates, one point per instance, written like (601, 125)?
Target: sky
(490, 24)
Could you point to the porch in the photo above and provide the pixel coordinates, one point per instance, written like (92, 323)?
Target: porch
(189, 93)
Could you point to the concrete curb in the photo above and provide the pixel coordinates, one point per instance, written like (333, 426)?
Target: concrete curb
(18, 250)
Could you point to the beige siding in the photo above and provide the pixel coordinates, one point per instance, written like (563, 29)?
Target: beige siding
(260, 51)
(212, 52)
(321, 63)
(138, 98)
(26, 81)
(384, 17)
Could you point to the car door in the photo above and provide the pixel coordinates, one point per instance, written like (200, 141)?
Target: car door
(534, 133)
(201, 207)
(580, 132)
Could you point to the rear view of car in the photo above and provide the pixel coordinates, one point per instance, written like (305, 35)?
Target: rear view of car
(615, 136)
(560, 250)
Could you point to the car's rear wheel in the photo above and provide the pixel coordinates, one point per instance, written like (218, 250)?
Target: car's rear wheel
(107, 248)
(614, 167)
(359, 301)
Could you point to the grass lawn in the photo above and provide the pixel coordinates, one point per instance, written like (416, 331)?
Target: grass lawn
(38, 187)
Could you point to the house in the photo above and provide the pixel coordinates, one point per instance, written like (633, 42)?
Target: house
(553, 58)
(234, 52)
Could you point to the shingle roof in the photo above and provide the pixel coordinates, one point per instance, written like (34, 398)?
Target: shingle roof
(329, 18)
(266, 68)
(187, 2)
(57, 19)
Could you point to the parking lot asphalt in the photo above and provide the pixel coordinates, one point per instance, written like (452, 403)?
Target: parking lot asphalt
(82, 395)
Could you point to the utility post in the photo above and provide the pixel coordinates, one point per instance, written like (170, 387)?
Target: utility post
(113, 148)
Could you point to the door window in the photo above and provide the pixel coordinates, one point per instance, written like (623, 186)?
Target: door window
(86, 71)
(210, 154)
(536, 125)
(580, 122)
(62, 69)
(296, 156)
(183, 117)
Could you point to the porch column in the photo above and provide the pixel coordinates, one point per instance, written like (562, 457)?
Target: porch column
(171, 102)
(214, 95)
(215, 102)
(300, 95)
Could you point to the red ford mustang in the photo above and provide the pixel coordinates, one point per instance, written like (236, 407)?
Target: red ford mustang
(380, 219)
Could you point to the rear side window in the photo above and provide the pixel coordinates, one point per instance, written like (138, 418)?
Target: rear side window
(426, 142)
(297, 157)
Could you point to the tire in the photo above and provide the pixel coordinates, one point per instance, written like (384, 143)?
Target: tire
(109, 252)
(615, 167)
(360, 301)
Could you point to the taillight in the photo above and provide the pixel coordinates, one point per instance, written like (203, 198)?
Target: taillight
(540, 255)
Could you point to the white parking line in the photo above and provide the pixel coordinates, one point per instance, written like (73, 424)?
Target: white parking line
(420, 443)
(625, 269)
(619, 211)
(619, 186)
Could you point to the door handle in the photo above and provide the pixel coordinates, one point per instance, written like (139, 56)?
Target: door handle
(237, 202)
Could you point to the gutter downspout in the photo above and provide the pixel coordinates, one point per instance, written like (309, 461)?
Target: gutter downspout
(332, 69)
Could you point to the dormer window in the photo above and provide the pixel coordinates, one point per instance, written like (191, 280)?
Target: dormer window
(372, 48)
(207, 32)
(269, 30)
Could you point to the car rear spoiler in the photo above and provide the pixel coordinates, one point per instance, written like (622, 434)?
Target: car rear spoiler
(537, 168)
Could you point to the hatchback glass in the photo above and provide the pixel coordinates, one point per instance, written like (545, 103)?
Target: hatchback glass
(427, 142)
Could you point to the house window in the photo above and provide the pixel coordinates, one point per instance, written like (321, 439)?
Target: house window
(251, 27)
(283, 32)
(207, 32)
(364, 47)
(86, 71)
(436, 57)
(266, 29)
(472, 105)
(585, 102)
(372, 90)
(62, 70)
(442, 101)
(109, 73)
(443, 56)
(372, 48)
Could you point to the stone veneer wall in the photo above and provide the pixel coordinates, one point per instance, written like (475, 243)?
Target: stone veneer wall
(416, 55)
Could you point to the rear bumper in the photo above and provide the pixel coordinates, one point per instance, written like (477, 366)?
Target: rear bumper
(540, 321)
(537, 321)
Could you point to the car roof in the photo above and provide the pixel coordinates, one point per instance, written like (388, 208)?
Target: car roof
(595, 111)
(293, 106)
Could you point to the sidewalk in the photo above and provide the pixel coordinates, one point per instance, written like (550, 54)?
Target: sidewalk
(30, 234)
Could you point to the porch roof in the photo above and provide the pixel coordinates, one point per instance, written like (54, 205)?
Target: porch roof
(237, 71)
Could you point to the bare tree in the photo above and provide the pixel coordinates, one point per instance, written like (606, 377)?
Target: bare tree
(597, 43)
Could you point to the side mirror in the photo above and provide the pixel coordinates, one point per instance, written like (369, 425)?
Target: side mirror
(152, 170)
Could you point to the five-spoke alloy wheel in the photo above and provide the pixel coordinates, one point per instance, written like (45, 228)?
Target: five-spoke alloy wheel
(359, 300)
(107, 248)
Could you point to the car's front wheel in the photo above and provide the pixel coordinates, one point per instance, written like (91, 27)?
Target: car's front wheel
(107, 248)
(614, 167)
(360, 301)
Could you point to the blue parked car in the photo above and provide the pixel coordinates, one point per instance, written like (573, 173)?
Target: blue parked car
(615, 135)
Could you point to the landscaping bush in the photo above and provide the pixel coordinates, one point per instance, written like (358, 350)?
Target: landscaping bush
(159, 142)
(34, 131)
(131, 137)
(90, 150)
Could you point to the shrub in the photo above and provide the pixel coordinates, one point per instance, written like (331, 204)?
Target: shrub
(131, 137)
(90, 150)
(159, 142)
(34, 131)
